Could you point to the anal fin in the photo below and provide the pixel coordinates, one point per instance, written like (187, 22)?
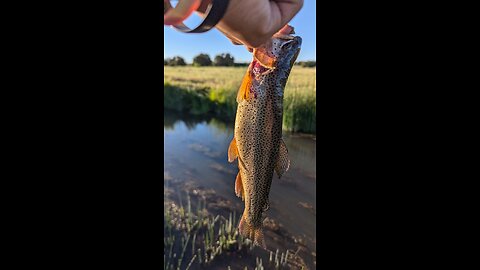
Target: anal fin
(283, 163)
(239, 186)
(232, 150)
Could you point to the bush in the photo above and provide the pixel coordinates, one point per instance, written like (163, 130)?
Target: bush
(175, 61)
(202, 60)
(194, 101)
(225, 60)
(307, 63)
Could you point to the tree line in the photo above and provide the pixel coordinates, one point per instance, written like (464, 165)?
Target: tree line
(224, 59)
(221, 60)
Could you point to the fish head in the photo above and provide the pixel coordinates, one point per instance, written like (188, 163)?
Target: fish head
(281, 51)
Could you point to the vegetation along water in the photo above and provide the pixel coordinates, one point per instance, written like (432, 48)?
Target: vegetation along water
(213, 90)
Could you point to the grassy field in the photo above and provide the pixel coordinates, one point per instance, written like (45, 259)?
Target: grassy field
(201, 90)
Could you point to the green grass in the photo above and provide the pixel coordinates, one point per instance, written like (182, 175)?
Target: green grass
(202, 90)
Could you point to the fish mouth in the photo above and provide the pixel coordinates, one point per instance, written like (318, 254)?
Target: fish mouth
(293, 43)
(272, 53)
(288, 33)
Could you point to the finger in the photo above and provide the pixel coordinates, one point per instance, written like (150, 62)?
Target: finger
(233, 39)
(236, 41)
(287, 9)
(287, 30)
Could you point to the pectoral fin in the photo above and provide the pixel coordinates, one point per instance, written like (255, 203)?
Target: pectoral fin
(283, 163)
(244, 91)
(232, 151)
(264, 59)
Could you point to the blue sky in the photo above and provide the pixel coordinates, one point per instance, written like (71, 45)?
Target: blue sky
(214, 42)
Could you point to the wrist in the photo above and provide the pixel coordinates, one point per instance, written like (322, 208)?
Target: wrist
(214, 12)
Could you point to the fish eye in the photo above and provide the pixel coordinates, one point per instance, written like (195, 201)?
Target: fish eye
(286, 44)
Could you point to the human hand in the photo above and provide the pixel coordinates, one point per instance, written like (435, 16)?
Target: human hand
(253, 22)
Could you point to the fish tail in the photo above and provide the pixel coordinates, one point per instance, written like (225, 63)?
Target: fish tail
(259, 239)
(254, 234)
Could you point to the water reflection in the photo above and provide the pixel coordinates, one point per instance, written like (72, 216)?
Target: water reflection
(172, 117)
(191, 121)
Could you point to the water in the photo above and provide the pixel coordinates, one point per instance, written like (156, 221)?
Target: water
(196, 150)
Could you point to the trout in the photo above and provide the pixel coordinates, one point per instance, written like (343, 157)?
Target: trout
(257, 141)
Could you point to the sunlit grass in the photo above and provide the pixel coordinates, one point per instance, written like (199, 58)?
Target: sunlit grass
(214, 89)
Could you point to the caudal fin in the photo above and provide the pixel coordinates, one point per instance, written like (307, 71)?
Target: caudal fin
(254, 234)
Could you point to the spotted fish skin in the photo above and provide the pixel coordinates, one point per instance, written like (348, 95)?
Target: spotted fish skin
(257, 141)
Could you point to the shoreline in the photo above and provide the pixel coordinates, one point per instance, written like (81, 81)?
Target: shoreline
(202, 90)
(207, 117)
